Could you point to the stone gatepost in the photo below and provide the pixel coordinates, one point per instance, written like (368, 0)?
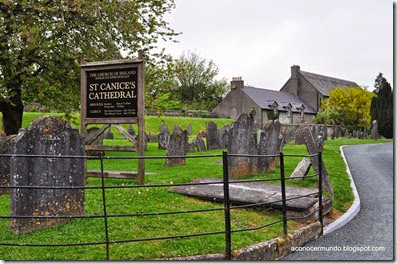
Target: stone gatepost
(46, 136)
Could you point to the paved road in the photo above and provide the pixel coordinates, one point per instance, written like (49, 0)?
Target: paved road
(372, 169)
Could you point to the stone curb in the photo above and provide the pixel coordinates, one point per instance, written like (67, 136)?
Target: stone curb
(272, 249)
(353, 210)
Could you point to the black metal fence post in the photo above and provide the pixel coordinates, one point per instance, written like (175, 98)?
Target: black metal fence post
(104, 209)
(226, 201)
(283, 196)
(320, 191)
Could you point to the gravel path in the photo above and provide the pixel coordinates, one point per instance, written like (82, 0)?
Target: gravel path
(372, 169)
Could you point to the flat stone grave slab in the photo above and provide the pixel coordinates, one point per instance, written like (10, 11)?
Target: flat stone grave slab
(254, 192)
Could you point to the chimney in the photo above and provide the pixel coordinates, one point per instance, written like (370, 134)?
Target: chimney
(237, 82)
(295, 69)
(294, 80)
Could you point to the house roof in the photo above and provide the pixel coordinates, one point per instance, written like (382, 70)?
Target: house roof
(265, 98)
(325, 84)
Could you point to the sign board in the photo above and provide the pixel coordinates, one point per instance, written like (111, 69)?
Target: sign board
(112, 93)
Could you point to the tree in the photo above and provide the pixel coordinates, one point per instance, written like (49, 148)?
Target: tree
(348, 106)
(42, 43)
(196, 83)
(382, 106)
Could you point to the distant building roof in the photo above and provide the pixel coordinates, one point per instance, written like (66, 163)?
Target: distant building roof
(264, 98)
(325, 84)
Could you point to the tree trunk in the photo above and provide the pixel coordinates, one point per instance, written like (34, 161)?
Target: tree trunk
(12, 115)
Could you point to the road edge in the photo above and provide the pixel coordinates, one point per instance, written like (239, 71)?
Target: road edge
(353, 210)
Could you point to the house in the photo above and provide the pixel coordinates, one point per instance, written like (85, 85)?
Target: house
(300, 97)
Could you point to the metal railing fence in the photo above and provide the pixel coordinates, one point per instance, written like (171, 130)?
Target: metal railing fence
(227, 205)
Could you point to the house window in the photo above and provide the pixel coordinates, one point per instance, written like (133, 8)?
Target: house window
(302, 112)
(275, 110)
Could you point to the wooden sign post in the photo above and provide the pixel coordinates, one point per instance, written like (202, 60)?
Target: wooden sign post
(112, 93)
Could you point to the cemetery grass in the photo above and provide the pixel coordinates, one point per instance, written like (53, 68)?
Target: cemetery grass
(154, 199)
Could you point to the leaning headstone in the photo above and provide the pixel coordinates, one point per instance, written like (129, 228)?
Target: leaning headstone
(200, 143)
(131, 130)
(46, 136)
(302, 169)
(224, 136)
(177, 146)
(211, 132)
(5, 148)
(269, 144)
(312, 148)
(91, 133)
(163, 137)
(374, 130)
(189, 129)
(242, 140)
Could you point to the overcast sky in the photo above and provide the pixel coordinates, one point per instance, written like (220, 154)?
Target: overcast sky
(260, 40)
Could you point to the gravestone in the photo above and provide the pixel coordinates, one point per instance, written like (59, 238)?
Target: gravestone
(177, 146)
(301, 169)
(361, 135)
(192, 146)
(325, 132)
(298, 139)
(337, 131)
(269, 144)
(312, 148)
(224, 136)
(200, 143)
(151, 137)
(354, 134)
(108, 134)
(189, 129)
(131, 130)
(374, 130)
(242, 140)
(91, 133)
(46, 136)
(163, 137)
(211, 132)
(5, 148)
(320, 143)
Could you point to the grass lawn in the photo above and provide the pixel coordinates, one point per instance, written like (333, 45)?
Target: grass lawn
(123, 201)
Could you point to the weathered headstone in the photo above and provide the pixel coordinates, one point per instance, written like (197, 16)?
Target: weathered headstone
(298, 139)
(374, 130)
(91, 133)
(211, 132)
(46, 136)
(333, 132)
(325, 132)
(269, 144)
(189, 129)
(320, 143)
(200, 143)
(224, 136)
(355, 134)
(302, 169)
(177, 146)
(151, 137)
(5, 148)
(163, 137)
(131, 130)
(242, 140)
(312, 148)
(361, 135)
(192, 146)
(109, 134)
